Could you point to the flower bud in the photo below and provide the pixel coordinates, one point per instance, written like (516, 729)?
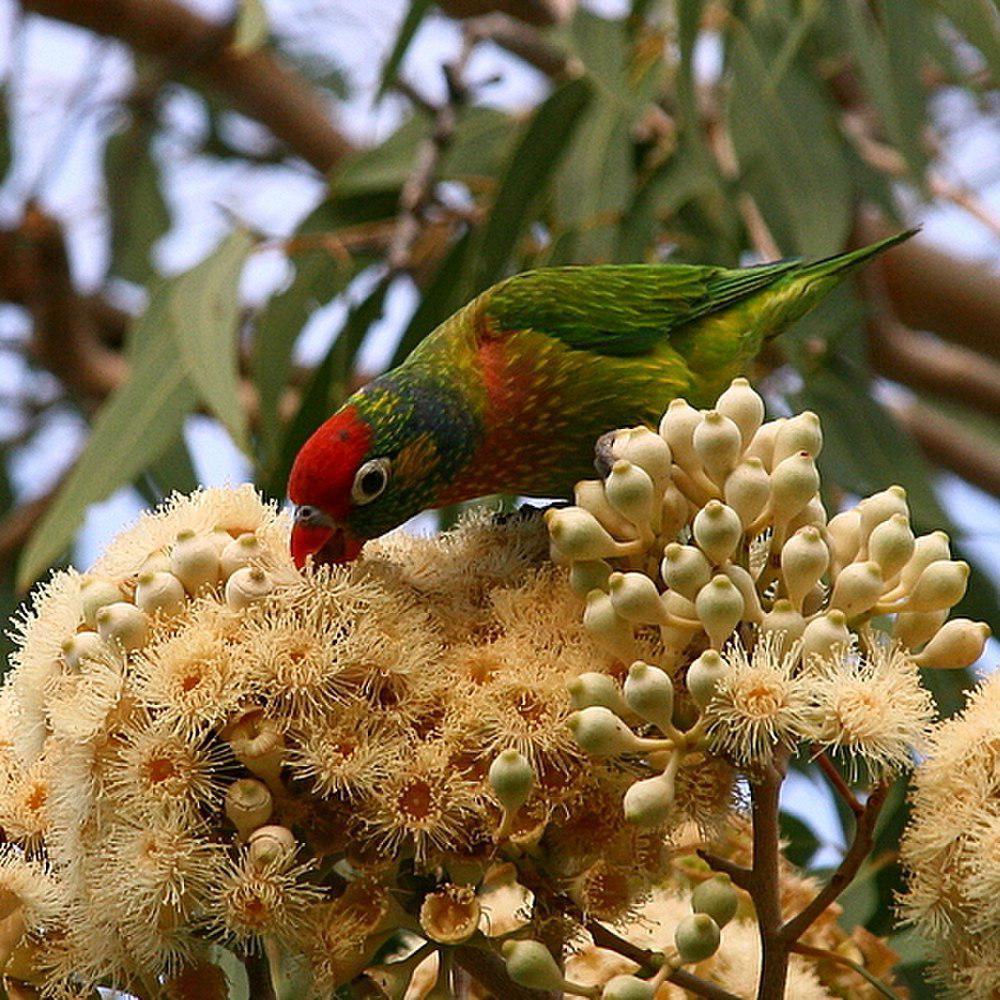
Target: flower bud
(83, 646)
(649, 692)
(194, 560)
(683, 626)
(635, 597)
(450, 915)
(677, 429)
(156, 562)
(648, 803)
(762, 443)
(857, 588)
(718, 444)
(813, 513)
(220, 537)
(891, 544)
(159, 592)
(703, 677)
(124, 623)
(258, 743)
(530, 964)
(647, 450)
(744, 407)
(720, 608)
(747, 488)
(914, 628)
(941, 585)
(785, 619)
(696, 938)
(744, 583)
(592, 688)
(685, 569)
(95, 593)
(630, 491)
(926, 550)
(825, 634)
(601, 733)
(843, 534)
(579, 535)
(246, 586)
(794, 483)
(589, 494)
(586, 575)
(716, 897)
(804, 559)
(799, 433)
(717, 531)
(673, 511)
(880, 507)
(248, 805)
(511, 777)
(628, 988)
(959, 644)
(239, 552)
(270, 845)
(607, 627)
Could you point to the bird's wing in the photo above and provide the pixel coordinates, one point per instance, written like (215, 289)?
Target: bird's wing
(621, 309)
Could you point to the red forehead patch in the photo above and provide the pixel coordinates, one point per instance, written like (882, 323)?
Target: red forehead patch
(324, 468)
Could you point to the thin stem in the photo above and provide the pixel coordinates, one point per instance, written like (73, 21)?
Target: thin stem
(739, 875)
(489, 971)
(832, 956)
(836, 779)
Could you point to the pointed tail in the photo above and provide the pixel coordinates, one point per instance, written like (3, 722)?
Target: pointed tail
(841, 263)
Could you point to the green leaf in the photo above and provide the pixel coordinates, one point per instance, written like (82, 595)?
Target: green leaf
(251, 27)
(979, 21)
(6, 137)
(233, 969)
(531, 166)
(173, 470)
(203, 313)
(415, 13)
(802, 841)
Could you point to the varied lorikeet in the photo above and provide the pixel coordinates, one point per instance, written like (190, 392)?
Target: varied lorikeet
(510, 393)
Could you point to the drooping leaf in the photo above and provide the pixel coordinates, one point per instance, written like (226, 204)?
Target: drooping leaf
(415, 13)
(251, 27)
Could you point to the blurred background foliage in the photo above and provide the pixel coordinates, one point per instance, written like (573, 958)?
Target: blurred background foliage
(689, 130)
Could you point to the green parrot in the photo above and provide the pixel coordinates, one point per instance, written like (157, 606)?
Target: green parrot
(510, 393)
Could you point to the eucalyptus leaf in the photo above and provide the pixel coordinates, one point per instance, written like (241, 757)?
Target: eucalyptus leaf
(233, 969)
(415, 12)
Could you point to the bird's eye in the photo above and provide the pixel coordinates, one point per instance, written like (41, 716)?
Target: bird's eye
(306, 514)
(370, 480)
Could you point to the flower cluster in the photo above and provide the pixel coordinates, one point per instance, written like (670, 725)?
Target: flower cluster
(951, 849)
(751, 621)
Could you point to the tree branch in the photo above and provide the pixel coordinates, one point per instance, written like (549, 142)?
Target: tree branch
(740, 876)
(489, 970)
(836, 779)
(528, 44)
(540, 12)
(257, 82)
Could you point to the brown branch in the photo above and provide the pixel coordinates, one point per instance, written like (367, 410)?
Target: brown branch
(740, 876)
(540, 12)
(257, 82)
(489, 970)
(861, 845)
(836, 779)
(18, 524)
(526, 43)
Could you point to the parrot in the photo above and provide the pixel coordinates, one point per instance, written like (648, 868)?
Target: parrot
(510, 393)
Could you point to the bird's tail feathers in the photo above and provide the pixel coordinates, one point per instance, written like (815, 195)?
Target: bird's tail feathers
(840, 263)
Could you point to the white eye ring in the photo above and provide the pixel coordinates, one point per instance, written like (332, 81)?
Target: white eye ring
(371, 480)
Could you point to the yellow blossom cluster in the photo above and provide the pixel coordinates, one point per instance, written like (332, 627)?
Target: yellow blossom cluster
(951, 848)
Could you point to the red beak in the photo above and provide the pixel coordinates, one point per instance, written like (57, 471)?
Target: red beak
(325, 545)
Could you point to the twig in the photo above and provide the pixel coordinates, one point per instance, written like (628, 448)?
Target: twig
(489, 970)
(526, 43)
(836, 779)
(540, 12)
(861, 845)
(832, 956)
(739, 875)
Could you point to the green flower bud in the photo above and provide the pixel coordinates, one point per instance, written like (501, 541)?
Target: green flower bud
(674, 511)
(716, 897)
(601, 733)
(857, 588)
(927, 549)
(648, 803)
(83, 646)
(246, 586)
(814, 513)
(635, 597)
(248, 805)
(649, 692)
(511, 777)
(596, 689)
(825, 634)
(804, 559)
(744, 583)
(720, 608)
(794, 483)
(589, 494)
(194, 560)
(530, 964)
(914, 628)
(941, 585)
(762, 444)
(747, 488)
(647, 450)
(630, 491)
(677, 429)
(744, 407)
(579, 535)
(799, 433)
(717, 531)
(843, 535)
(685, 569)
(718, 444)
(785, 619)
(240, 552)
(891, 544)
(607, 627)
(123, 623)
(679, 632)
(703, 677)
(586, 575)
(628, 988)
(696, 938)
(959, 644)
(159, 592)
(95, 593)
(880, 507)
